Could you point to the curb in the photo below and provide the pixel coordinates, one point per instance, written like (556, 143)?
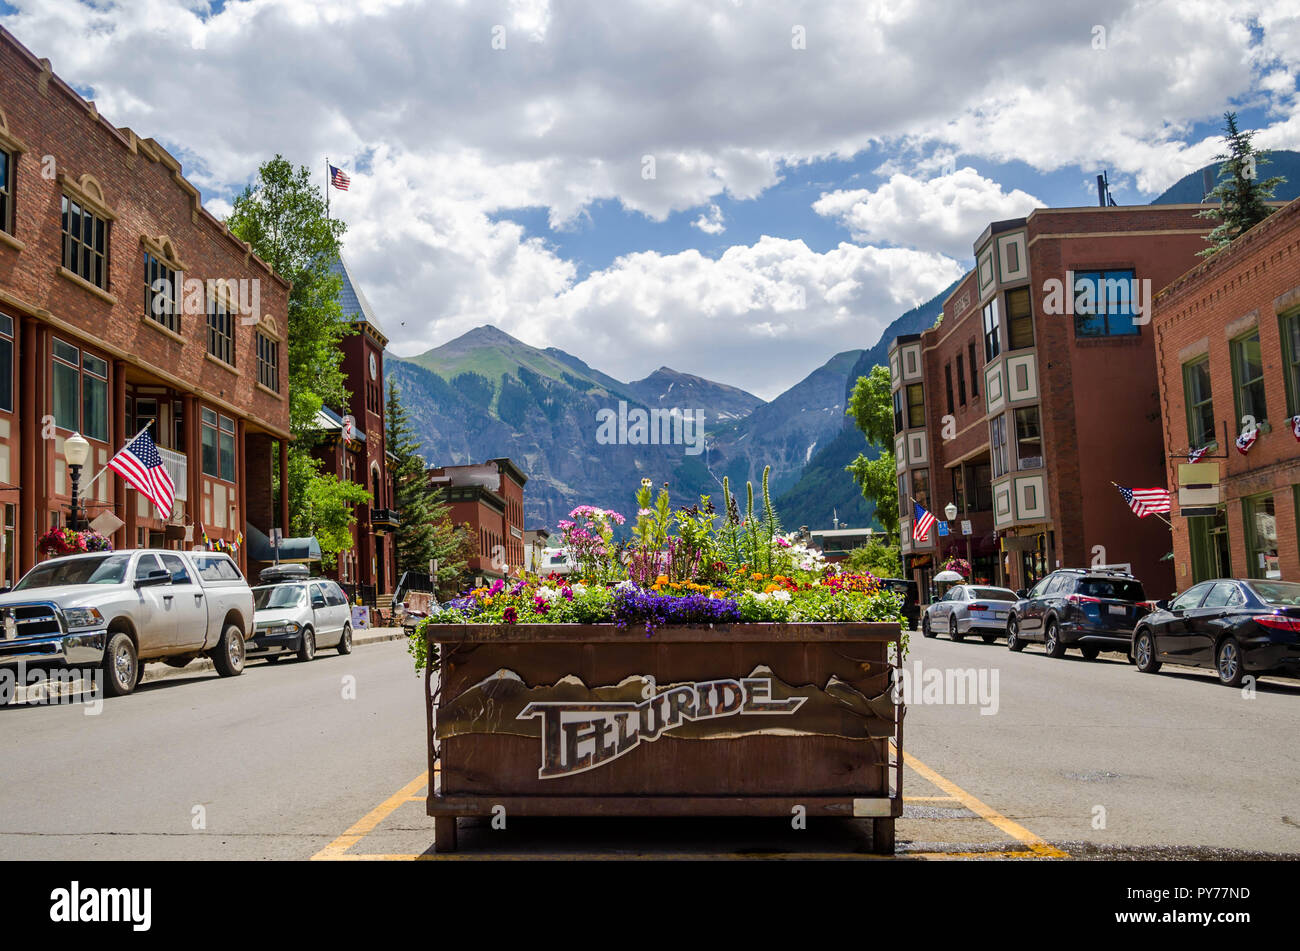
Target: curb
(160, 671)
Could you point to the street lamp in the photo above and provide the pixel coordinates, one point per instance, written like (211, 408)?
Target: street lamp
(75, 451)
(950, 510)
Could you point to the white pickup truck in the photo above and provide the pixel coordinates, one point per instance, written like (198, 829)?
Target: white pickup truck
(120, 609)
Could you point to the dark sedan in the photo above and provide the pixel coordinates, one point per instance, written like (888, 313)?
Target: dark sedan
(1233, 626)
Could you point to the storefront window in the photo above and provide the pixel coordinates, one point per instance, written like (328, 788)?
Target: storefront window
(80, 388)
(1260, 525)
(1208, 535)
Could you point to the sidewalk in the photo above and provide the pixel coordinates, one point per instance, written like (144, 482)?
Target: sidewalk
(372, 635)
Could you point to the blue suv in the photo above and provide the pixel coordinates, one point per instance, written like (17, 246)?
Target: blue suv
(1091, 609)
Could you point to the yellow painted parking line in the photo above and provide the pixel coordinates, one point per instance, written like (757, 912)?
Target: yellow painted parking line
(1035, 847)
(371, 820)
(990, 815)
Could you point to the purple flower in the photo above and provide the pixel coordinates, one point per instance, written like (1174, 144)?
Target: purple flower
(635, 605)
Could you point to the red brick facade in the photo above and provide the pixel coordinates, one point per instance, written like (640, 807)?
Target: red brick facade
(1072, 411)
(1204, 322)
(86, 354)
(488, 498)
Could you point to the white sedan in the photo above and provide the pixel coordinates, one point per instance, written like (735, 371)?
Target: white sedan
(970, 609)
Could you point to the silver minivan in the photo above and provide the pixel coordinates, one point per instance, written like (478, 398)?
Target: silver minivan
(299, 617)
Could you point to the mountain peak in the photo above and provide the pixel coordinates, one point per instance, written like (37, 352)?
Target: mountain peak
(485, 334)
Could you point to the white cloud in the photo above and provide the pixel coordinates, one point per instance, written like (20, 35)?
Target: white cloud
(441, 133)
(711, 221)
(945, 213)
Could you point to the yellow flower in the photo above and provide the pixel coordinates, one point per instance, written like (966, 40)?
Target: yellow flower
(768, 589)
(756, 576)
(662, 579)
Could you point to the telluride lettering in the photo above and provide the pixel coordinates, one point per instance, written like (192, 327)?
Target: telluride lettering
(580, 736)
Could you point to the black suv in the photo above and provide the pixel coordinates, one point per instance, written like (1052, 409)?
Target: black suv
(911, 606)
(1091, 609)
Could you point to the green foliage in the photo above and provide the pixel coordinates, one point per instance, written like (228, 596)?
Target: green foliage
(282, 217)
(425, 530)
(514, 401)
(878, 557)
(475, 387)
(1242, 197)
(871, 407)
(329, 512)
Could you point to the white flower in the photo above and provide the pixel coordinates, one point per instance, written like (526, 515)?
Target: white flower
(581, 589)
(547, 593)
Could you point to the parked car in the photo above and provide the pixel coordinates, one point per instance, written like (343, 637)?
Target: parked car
(556, 561)
(1233, 626)
(121, 609)
(911, 601)
(970, 609)
(1091, 609)
(297, 617)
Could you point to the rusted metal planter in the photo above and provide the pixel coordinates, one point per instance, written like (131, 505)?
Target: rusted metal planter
(726, 720)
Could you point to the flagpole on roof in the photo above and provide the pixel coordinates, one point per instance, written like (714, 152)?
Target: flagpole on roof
(105, 469)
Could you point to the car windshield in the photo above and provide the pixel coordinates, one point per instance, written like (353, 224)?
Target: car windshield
(278, 596)
(994, 594)
(107, 569)
(1281, 593)
(1118, 589)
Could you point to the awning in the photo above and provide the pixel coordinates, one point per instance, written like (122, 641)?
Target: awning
(300, 550)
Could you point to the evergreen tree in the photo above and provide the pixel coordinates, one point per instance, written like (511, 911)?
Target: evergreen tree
(425, 530)
(1242, 197)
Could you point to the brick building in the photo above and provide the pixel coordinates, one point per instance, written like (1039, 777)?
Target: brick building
(358, 452)
(124, 303)
(1026, 401)
(1227, 347)
(489, 498)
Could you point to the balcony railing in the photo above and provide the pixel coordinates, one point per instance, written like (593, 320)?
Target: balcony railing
(178, 467)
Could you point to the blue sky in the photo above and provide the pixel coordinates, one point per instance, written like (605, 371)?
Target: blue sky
(820, 168)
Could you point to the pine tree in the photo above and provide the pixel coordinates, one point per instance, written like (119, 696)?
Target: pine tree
(1242, 198)
(425, 531)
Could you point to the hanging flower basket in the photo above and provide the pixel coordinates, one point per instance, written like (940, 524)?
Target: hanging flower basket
(64, 541)
(959, 565)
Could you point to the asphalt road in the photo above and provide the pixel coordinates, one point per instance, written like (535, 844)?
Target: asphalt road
(278, 764)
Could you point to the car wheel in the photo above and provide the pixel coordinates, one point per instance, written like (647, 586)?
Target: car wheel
(1227, 662)
(1144, 652)
(988, 638)
(345, 641)
(1014, 643)
(1089, 652)
(121, 666)
(1052, 640)
(228, 658)
(307, 646)
(953, 632)
(926, 629)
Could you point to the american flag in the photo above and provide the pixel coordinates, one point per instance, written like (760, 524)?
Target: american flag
(1195, 454)
(338, 179)
(141, 466)
(924, 521)
(1246, 440)
(1145, 502)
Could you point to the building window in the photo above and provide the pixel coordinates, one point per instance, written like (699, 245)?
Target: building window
(998, 445)
(974, 371)
(221, 331)
(1200, 405)
(1261, 537)
(218, 446)
(915, 405)
(981, 488)
(921, 487)
(1103, 304)
(85, 243)
(961, 381)
(1020, 319)
(161, 293)
(1248, 377)
(992, 339)
(6, 191)
(6, 363)
(898, 411)
(947, 372)
(268, 362)
(1029, 439)
(1291, 361)
(80, 391)
(958, 487)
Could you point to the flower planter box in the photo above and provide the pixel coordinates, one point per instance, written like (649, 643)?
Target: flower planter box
(725, 720)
